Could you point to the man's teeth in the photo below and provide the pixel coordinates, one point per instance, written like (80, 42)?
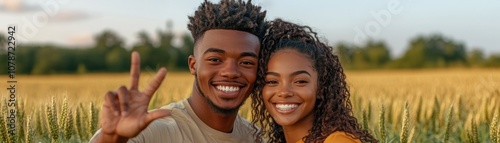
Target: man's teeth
(228, 88)
(286, 106)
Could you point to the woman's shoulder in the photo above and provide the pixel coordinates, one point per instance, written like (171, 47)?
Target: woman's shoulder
(341, 137)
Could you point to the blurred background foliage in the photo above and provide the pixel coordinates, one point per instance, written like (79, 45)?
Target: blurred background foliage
(110, 54)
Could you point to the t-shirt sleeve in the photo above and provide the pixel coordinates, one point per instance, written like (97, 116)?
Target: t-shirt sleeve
(159, 131)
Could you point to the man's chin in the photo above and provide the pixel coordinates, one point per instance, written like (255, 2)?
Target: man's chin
(224, 110)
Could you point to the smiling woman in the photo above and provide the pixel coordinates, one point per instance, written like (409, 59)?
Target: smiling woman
(301, 94)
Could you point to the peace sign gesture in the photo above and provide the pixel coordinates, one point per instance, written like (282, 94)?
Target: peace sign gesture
(124, 112)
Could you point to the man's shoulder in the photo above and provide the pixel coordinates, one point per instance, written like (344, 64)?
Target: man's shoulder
(176, 109)
(176, 105)
(244, 124)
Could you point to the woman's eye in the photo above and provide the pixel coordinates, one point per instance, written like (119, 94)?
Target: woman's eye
(271, 82)
(302, 81)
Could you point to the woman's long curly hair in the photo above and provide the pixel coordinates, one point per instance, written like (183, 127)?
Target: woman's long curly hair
(333, 109)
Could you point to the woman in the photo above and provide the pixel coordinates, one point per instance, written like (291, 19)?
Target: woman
(301, 94)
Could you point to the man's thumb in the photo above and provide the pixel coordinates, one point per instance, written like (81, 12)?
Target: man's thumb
(159, 113)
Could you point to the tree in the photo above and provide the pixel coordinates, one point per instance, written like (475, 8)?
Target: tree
(165, 54)
(374, 54)
(433, 51)
(3, 53)
(96, 59)
(345, 53)
(108, 40)
(475, 58)
(493, 61)
(377, 54)
(185, 51)
(3, 44)
(118, 59)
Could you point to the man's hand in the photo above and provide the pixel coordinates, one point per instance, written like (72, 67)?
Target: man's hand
(124, 112)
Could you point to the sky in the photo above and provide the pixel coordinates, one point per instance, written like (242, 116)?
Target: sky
(76, 22)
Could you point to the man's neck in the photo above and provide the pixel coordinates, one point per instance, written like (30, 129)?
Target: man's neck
(218, 121)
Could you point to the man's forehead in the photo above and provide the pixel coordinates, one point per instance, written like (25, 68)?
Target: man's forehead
(227, 38)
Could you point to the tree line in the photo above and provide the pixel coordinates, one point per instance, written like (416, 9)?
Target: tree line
(424, 51)
(109, 54)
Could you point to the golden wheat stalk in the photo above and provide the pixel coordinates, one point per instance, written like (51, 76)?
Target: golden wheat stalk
(20, 121)
(406, 124)
(54, 109)
(369, 114)
(498, 134)
(41, 122)
(435, 114)
(78, 124)
(389, 113)
(419, 110)
(469, 137)
(493, 128)
(365, 120)
(3, 125)
(381, 123)
(92, 123)
(485, 111)
(84, 121)
(412, 133)
(68, 129)
(448, 125)
(29, 131)
(475, 137)
(52, 122)
(64, 115)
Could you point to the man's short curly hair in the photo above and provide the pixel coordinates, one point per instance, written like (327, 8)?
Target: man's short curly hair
(228, 14)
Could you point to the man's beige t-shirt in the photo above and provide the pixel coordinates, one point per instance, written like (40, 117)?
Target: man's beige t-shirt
(183, 126)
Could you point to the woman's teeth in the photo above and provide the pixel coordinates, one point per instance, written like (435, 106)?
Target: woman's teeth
(286, 106)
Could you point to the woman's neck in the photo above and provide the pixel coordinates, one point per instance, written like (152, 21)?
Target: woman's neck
(296, 132)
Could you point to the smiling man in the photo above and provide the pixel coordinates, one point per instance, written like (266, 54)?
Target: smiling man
(227, 41)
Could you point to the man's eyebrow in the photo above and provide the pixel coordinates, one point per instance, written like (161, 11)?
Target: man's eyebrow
(214, 50)
(300, 72)
(244, 54)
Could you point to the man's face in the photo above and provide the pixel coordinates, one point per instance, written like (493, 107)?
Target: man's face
(225, 67)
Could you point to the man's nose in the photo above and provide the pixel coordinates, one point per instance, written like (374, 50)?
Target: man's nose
(230, 70)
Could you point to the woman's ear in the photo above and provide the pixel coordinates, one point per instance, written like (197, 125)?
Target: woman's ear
(192, 64)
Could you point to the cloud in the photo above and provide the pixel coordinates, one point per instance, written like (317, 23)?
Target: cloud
(17, 6)
(66, 16)
(81, 39)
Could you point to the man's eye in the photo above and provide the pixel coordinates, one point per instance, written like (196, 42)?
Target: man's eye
(247, 63)
(214, 60)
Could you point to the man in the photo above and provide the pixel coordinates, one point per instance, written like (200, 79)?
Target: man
(227, 41)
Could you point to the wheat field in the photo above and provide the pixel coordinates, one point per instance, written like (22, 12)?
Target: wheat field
(394, 106)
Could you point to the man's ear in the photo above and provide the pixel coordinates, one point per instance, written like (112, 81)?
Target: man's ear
(192, 64)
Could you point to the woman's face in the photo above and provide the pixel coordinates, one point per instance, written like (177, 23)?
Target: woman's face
(290, 90)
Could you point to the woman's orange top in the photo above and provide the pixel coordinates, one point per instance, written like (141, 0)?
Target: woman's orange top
(338, 137)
